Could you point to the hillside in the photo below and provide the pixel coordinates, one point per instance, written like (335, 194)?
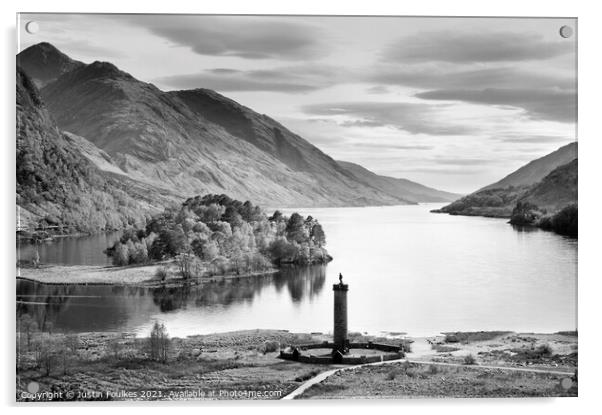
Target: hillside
(196, 142)
(552, 203)
(499, 199)
(44, 63)
(556, 190)
(405, 189)
(537, 169)
(56, 185)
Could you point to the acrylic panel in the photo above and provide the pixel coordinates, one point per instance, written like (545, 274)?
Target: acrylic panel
(228, 206)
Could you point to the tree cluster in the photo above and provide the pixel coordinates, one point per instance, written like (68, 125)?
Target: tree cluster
(219, 234)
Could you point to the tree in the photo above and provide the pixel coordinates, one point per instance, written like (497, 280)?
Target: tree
(121, 255)
(276, 217)
(188, 265)
(159, 343)
(317, 235)
(45, 353)
(295, 228)
(282, 251)
(28, 326)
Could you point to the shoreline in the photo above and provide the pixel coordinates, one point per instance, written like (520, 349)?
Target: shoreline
(129, 275)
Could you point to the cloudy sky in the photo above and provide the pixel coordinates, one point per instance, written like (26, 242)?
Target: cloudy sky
(453, 103)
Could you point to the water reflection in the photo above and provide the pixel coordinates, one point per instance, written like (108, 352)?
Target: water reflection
(409, 270)
(85, 308)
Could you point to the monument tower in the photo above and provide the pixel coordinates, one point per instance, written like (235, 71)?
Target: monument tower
(340, 315)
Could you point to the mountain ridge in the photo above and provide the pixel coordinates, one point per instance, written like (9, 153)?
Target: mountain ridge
(413, 192)
(500, 198)
(198, 141)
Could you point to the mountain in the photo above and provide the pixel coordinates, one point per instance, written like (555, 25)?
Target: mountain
(58, 186)
(536, 170)
(557, 190)
(551, 203)
(44, 63)
(402, 188)
(499, 199)
(195, 142)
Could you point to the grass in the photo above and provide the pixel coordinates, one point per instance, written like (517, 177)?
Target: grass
(419, 380)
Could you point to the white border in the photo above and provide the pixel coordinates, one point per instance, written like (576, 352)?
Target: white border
(590, 137)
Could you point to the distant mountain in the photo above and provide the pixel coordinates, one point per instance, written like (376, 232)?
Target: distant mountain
(499, 199)
(410, 191)
(536, 170)
(194, 142)
(58, 186)
(44, 63)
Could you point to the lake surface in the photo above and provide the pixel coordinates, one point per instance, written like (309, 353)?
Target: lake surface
(408, 270)
(86, 250)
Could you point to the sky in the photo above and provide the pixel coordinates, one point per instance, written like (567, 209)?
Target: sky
(452, 103)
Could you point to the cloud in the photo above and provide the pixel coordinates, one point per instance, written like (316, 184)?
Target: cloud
(410, 117)
(88, 49)
(291, 79)
(539, 104)
(440, 171)
(435, 76)
(372, 145)
(463, 161)
(246, 37)
(533, 139)
(377, 89)
(469, 47)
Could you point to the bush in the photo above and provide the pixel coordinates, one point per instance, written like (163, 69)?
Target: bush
(392, 374)
(72, 343)
(544, 350)
(270, 346)
(161, 273)
(470, 360)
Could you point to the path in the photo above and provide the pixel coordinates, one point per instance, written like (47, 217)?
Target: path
(324, 375)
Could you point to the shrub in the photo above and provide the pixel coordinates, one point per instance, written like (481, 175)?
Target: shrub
(544, 350)
(470, 360)
(161, 273)
(433, 370)
(270, 346)
(72, 343)
(392, 374)
(115, 348)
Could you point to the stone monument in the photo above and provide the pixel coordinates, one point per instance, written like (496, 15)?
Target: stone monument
(340, 316)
